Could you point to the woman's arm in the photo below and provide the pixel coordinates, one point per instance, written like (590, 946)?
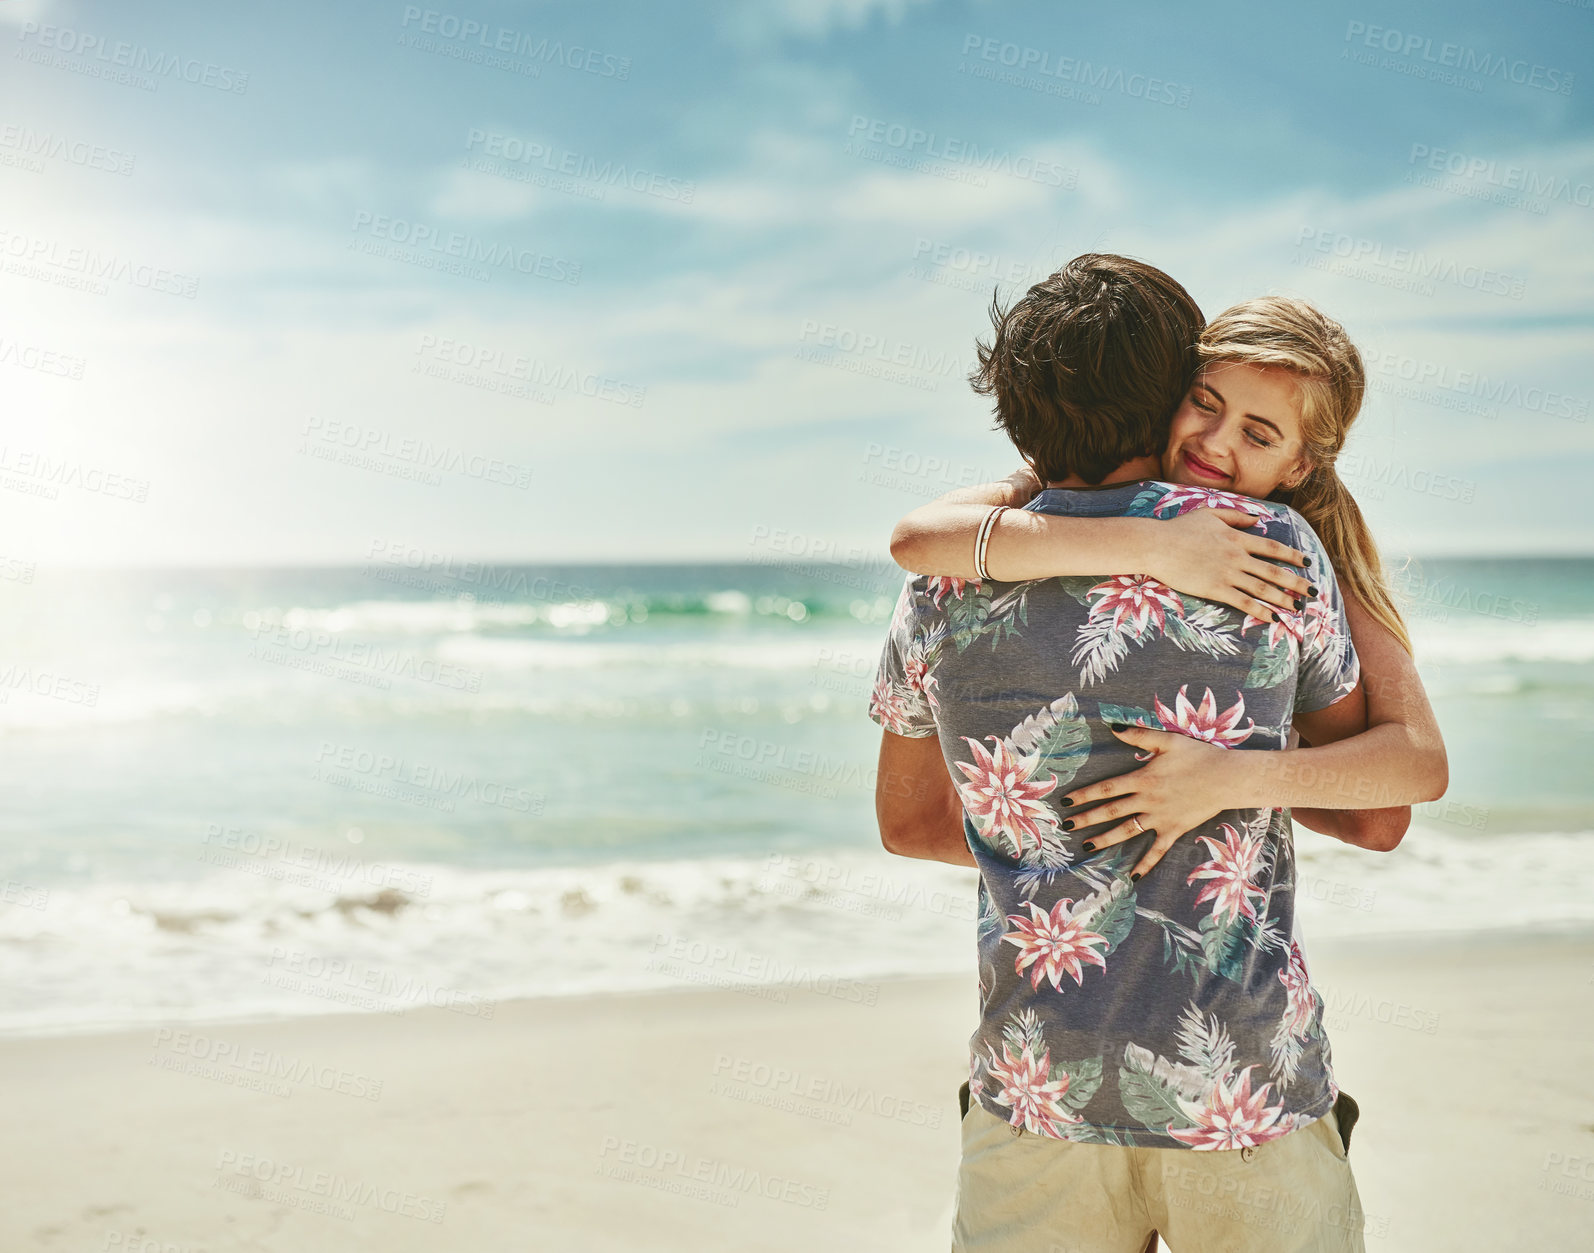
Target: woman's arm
(1379, 748)
(1409, 744)
(1211, 553)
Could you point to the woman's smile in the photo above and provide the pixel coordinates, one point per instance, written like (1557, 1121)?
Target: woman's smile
(1203, 469)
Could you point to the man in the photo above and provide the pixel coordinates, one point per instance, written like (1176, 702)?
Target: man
(1151, 1055)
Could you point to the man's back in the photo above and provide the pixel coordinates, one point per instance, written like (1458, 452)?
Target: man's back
(1172, 1012)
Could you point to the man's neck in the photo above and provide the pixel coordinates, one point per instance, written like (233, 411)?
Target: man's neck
(1129, 472)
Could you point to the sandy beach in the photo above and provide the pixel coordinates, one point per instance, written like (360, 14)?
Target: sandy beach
(736, 1119)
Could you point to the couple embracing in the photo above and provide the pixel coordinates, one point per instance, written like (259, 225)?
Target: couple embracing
(1115, 679)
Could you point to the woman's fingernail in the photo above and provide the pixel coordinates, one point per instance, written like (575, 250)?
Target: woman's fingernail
(1067, 824)
(1068, 802)
(1312, 591)
(1089, 848)
(1134, 876)
(1119, 726)
(1300, 605)
(1307, 560)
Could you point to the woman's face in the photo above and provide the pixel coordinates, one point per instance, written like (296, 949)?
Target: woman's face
(1238, 429)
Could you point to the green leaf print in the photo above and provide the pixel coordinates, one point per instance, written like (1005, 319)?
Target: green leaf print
(1181, 947)
(990, 917)
(1023, 1033)
(1147, 1097)
(1145, 503)
(1057, 738)
(1116, 916)
(972, 616)
(1224, 945)
(1134, 715)
(966, 615)
(1206, 631)
(1272, 665)
(1084, 1081)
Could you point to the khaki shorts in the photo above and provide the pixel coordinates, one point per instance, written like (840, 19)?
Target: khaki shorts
(1032, 1194)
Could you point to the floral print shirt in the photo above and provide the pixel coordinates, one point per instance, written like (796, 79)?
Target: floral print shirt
(1172, 1012)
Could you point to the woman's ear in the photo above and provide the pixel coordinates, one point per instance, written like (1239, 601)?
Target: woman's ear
(1297, 474)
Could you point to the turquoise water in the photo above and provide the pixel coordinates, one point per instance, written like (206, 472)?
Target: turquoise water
(207, 766)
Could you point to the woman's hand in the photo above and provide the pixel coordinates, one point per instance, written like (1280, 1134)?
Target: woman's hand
(1184, 782)
(1213, 554)
(1024, 485)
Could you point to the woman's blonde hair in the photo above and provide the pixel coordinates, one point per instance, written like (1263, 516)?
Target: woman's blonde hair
(1291, 334)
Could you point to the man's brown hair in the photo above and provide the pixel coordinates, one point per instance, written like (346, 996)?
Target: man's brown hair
(1089, 365)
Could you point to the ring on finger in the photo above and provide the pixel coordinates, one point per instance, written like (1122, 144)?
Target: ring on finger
(1135, 818)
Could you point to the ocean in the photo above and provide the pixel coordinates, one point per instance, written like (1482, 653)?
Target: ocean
(251, 793)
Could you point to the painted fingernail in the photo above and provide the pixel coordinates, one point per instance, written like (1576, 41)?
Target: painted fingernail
(1068, 802)
(1089, 848)
(1312, 591)
(1067, 825)
(1299, 605)
(1134, 876)
(1119, 726)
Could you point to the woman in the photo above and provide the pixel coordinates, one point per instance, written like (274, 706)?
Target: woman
(1269, 411)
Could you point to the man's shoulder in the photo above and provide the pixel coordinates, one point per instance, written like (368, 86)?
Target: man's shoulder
(1154, 498)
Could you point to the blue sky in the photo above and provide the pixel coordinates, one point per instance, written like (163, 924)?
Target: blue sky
(732, 259)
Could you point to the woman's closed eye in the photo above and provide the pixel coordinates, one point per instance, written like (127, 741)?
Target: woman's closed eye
(1258, 439)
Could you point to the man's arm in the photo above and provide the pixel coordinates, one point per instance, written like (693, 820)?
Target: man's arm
(916, 804)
